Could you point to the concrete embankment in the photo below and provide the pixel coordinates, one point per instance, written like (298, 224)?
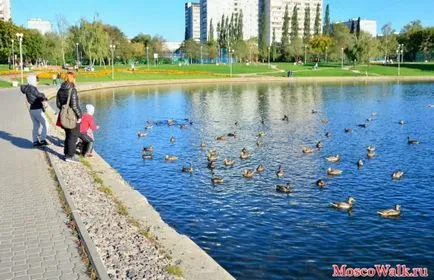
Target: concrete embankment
(109, 229)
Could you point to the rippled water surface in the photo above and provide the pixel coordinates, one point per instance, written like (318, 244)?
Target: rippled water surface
(252, 231)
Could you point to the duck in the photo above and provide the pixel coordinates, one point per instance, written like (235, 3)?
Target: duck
(211, 165)
(187, 169)
(232, 134)
(307, 150)
(401, 122)
(335, 158)
(280, 173)
(141, 134)
(363, 125)
(170, 158)
(261, 134)
(431, 106)
(172, 139)
(328, 134)
(320, 183)
(319, 145)
(262, 121)
(284, 188)
(202, 145)
(220, 138)
(360, 163)
(324, 121)
(331, 171)
(182, 126)
(348, 130)
(285, 118)
(391, 212)
(248, 173)
(260, 143)
(170, 122)
(217, 180)
(212, 153)
(149, 149)
(344, 205)
(373, 114)
(369, 119)
(147, 156)
(244, 154)
(149, 126)
(397, 174)
(260, 168)
(370, 148)
(412, 141)
(211, 157)
(371, 154)
(228, 162)
(236, 123)
(314, 111)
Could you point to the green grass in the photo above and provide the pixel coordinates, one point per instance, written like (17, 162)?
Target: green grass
(407, 69)
(4, 84)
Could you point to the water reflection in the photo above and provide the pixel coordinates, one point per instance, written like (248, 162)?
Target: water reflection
(245, 225)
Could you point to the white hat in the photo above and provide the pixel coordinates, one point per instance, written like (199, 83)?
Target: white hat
(90, 109)
(31, 79)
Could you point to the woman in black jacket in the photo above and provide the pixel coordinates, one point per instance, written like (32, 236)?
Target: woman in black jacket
(71, 135)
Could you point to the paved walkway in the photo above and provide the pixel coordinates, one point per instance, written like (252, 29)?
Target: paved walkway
(35, 242)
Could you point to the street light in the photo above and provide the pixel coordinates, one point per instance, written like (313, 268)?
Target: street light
(78, 59)
(230, 60)
(13, 54)
(305, 54)
(147, 56)
(402, 53)
(326, 55)
(269, 65)
(112, 48)
(342, 58)
(399, 60)
(201, 58)
(20, 38)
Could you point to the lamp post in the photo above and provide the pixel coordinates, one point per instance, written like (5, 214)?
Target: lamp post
(402, 53)
(147, 56)
(230, 60)
(112, 48)
(269, 65)
(78, 59)
(398, 58)
(305, 54)
(326, 55)
(20, 38)
(201, 57)
(13, 55)
(342, 58)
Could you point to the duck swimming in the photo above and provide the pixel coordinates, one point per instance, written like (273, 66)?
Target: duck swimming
(328, 134)
(260, 143)
(248, 173)
(149, 149)
(335, 158)
(280, 173)
(141, 134)
(202, 145)
(397, 174)
(232, 134)
(344, 205)
(261, 134)
(319, 145)
(170, 122)
(147, 156)
(307, 150)
(360, 163)
(172, 139)
(182, 126)
(320, 183)
(370, 148)
(391, 212)
(217, 180)
(228, 162)
(211, 165)
(363, 125)
(187, 169)
(260, 168)
(412, 141)
(334, 172)
(371, 154)
(401, 122)
(284, 188)
(220, 138)
(348, 130)
(244, 154)
(285, 118)
(170, 158)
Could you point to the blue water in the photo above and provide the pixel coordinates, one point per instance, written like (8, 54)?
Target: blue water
(252, 231)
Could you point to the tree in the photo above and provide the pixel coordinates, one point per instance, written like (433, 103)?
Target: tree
(306, 34)
(317, 25)
(62, 26)
(240, 31)
(285, 36)
(412, 26)
(7, 34)
(211, 32)
(341, 39)
(296, 49)
(274, 46)
(319, 44)
(326, 30)
(388, 41)
(191, 49)
(362, 48)
(33, 44)
(262, 42)
(294, 24)
(358, 28)
(252, 46)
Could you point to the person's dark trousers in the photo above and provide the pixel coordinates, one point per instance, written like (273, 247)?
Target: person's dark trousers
(87, 143)
(71, 136)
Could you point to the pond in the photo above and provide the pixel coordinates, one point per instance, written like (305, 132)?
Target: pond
(244, 224)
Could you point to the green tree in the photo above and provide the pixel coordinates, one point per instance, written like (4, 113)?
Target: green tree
(274, 47)
(296, 49)
(341, 39)
(262, 41)
(211, 31)
(326, 30)
(363, 48)
(317, 24)
(319, 45)
(412, 26)
(294, 24)
(191, 49)
(240, 31)
(33, 44)
(306, 34)
(285, 51)
(388, 42)
(7, 34)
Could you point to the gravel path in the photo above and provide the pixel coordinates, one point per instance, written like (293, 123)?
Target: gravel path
(124, 251)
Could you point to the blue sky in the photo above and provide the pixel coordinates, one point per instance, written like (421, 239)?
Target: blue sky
(166, 17)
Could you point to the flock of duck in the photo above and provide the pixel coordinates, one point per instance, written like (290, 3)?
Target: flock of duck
(212, 157)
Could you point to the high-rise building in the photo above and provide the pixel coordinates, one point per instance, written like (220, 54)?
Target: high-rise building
(275, 11)
(5, 10)
(213, 10)
(43, 26)
(366, 25)
(192, 21)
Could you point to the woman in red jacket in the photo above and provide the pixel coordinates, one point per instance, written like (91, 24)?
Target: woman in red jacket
(87, 127)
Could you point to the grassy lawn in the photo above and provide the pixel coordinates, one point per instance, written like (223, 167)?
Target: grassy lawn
(324, 70)
(4, 84)
(407, 69)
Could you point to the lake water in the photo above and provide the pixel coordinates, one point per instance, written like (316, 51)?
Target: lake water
(250, 229)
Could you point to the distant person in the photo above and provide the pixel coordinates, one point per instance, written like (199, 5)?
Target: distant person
(87, 127)
(58, 81)
(36, 100)
(71, 135)
(54, 78)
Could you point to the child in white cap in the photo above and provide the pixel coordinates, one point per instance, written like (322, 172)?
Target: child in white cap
(87, 127)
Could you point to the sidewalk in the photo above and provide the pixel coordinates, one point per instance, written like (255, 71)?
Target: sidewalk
(35, 242)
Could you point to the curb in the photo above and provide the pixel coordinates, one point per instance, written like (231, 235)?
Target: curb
(89, 246)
